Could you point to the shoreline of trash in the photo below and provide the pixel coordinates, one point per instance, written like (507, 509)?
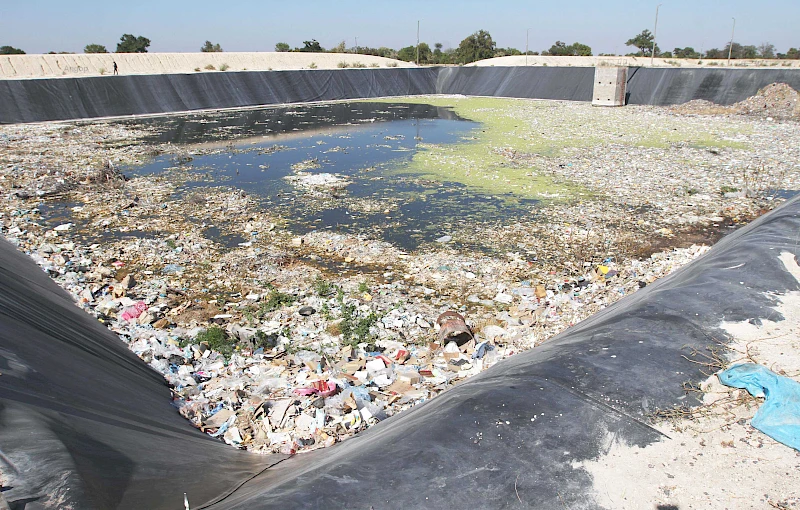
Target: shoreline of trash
(266, 347)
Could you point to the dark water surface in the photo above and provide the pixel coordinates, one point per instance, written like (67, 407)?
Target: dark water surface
(364, 143)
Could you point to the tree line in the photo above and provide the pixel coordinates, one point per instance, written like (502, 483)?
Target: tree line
(644, 43)
(477, 46)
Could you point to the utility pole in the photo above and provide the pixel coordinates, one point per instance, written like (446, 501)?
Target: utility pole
(730, 46)
(655, 32)
(356, 44)
(526, 46)
(417, 42)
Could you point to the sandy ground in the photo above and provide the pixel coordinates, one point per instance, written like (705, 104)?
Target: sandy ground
(72, 65)
(538, 60)
(715, 459)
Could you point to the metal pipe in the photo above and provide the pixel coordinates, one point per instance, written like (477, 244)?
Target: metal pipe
(526, 46)
(655, 32)
(417, 42)
(730, 46)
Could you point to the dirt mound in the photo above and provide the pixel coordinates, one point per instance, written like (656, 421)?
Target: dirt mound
(777, 100)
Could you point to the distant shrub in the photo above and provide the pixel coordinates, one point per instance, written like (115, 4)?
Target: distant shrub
(359, 65)
(391, 64)
(342, 65)
(197, 69)
(209, 67)
(374, 64)
(312, 65)
(224, 67)
(102, 70)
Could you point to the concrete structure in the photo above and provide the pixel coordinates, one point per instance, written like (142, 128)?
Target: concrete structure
(610, 85)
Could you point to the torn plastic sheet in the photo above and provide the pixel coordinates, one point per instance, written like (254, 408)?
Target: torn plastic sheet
(779, 415)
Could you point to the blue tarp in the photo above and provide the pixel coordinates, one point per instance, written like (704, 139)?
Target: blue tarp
(779, 417)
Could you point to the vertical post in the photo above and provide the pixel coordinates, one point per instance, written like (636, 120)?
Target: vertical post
(526, 46)
(730, 46)
(655, 32)
(417, 42)
(356, 44)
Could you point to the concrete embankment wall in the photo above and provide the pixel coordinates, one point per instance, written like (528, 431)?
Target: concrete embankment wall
(108, 96)
(97, 64)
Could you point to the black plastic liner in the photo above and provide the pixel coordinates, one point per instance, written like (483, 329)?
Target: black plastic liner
(566, 83)
(661, 87)
(85, 424)
(109, 96)
(39, 100)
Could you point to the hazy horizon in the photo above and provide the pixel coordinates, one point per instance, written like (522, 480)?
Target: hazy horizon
(41, 26)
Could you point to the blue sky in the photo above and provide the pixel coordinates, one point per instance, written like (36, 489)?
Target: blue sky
(39, 26)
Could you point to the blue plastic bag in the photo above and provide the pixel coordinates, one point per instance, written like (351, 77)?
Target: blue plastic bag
(779, 416)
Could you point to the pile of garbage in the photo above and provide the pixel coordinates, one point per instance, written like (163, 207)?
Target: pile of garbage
(775, 101)
(303, 367)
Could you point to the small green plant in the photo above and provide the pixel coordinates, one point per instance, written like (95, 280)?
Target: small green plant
(276, 300)
(323, 287)
(197, 69)
(692, 191)
(312, 65)
(359, 65)
(224, 67)
(217, 340)
(391, 64)
(355, 329)
(171, 244)
(713, 63)
(728, 189)
(342, 65)
(374, 64)
(210, 67)
(102, 71)
(363, 287)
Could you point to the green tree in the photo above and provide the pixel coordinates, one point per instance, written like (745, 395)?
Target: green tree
(735, 50)
(211, 48)
(749, 51)
(575, 49)
(792, 54)
(282, 47)
(339, 48)
(477, 46)
(716, 53)
(437, 53)
(131, 44)
(409, 53)
(644, 42)
(581, 50)
(766, 50)
(10, 50)
(311, 46)
(95, 48)
(687, 52)
(504, 52)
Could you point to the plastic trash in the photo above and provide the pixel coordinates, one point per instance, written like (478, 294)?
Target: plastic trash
(779, 416)
(133, 312)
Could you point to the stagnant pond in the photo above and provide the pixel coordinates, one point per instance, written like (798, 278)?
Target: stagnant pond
(330, 166)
